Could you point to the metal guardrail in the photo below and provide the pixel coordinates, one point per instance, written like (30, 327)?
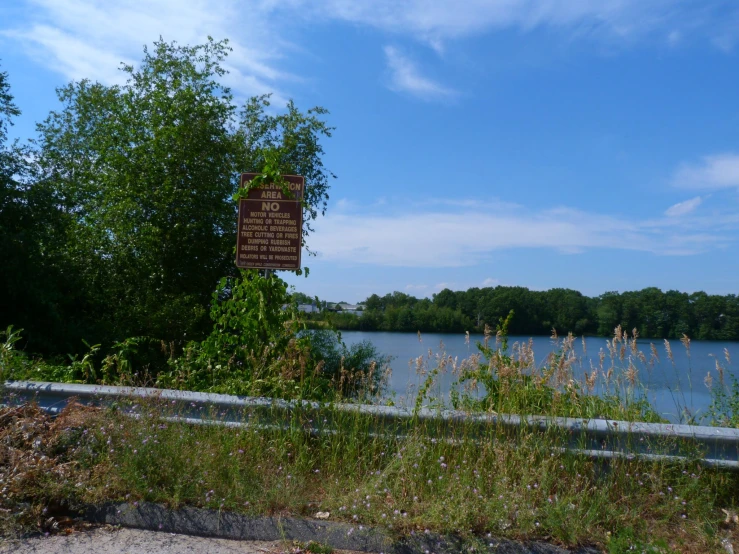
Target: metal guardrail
(598, 438)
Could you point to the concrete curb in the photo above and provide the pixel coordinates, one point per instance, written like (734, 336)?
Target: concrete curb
(343, 536)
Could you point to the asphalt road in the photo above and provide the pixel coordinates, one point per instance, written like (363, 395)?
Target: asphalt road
(130, 541)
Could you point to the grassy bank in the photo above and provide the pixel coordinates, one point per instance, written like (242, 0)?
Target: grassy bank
(517, 487)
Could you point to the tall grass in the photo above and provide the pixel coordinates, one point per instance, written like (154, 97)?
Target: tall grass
(508, 379)
(469, 485)
(469, 481)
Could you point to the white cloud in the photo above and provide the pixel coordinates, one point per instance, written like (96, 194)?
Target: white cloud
(683, 208)
(89, 38)
(714, 172)
(434, 21)
(490, 282)
(450, 18)
(406, 77)
(469, 237)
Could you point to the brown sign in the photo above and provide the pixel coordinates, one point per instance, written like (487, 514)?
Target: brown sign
(270, 225)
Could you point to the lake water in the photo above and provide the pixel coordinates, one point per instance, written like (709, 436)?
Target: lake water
(669, 388)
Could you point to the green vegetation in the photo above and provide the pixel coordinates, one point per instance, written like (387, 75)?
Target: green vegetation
(117, 228)
(118, 220)
(512, 384)
(655, 314)
(517, 486)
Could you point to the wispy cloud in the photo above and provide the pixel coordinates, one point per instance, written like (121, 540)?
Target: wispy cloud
(442, 20)
(683, 208)
(713, 172)
(469, 237)
(89, 38)
(406, 77)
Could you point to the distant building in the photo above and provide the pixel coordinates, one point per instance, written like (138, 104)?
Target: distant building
(345, 308)
(308, 308)
(356, 309)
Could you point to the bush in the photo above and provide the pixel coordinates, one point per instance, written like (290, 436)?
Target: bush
(353, 371)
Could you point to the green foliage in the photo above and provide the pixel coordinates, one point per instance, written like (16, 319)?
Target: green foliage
(507, 388)
(654, 313)
(118, 223)
(146, 169)
(253, 347)
(10, 357)
(352, 371)
(512, 386)
(8, 109)
(724, 408)
(256, 348)
(34, 286)
(287, 143)
(319, 548)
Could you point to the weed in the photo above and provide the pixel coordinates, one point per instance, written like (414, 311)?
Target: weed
(515, 487)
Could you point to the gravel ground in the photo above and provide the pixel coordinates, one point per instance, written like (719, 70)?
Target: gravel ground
(130, 541)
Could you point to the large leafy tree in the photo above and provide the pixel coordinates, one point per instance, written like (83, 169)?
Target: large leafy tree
(147, 170)
(36, 285)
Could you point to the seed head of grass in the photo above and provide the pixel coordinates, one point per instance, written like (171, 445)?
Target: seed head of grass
(685, 339)
(668, 349)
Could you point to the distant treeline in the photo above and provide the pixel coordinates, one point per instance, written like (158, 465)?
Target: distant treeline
(654, 313)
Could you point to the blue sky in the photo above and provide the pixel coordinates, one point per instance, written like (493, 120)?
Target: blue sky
(554, 143)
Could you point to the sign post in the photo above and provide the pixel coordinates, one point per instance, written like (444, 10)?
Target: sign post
(270, 225)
